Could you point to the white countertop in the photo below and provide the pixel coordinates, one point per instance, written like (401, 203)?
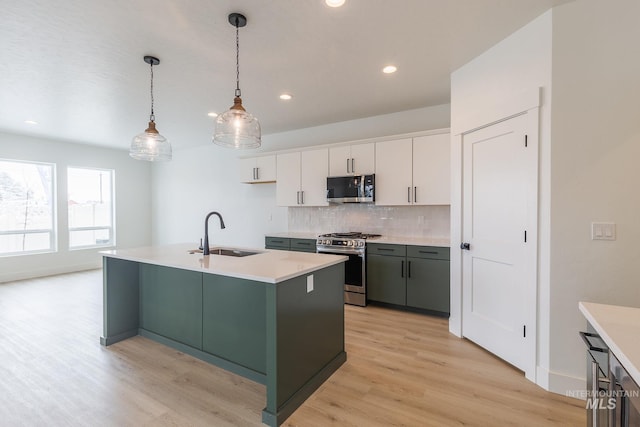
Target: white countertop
(619, 328)
(416, 241)
(268, 266)
(395, 240)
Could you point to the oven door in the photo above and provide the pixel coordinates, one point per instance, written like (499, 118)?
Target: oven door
(354, 269)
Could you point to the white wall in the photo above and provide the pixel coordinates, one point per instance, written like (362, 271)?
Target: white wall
(205, 178)
(133, 200)
(479, 92)
(595, 173)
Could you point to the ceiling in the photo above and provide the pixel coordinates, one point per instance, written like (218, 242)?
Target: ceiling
(76, 68)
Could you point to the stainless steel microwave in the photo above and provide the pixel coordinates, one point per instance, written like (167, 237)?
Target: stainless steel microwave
(351, 189)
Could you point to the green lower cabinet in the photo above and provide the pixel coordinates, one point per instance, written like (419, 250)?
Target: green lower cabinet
(410, 276)
(281, 243)
(171, 303)
(428, 284)
(234, 320)
(386, 279)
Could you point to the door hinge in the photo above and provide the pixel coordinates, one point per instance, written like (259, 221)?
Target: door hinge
(525, 236)
(524, 331)
(526, 138)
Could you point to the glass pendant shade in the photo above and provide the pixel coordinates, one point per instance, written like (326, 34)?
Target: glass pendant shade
(150, 146)
(237, 129)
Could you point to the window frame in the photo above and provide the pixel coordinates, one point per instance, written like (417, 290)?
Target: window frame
(111, 228)
(53, 231)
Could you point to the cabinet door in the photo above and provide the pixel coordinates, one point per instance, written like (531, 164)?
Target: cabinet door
(266, 169)
(428, 284)
(247, 170)
(432, 170)
(393, 172)
(386, 279)
(171, 303)
(315, 167)
(234, 319)
(287, 179)
(363, 159)
(340, 161)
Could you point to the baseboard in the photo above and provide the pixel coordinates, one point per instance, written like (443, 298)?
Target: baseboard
(49, 271)
(563, 384)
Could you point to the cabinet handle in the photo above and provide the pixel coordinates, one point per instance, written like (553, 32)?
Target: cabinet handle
(408, 194)
(257, 173)
(409, 269)
(254, 173)
(415, 194)
(429, 252)
(353, 165)
(348, 166)
(302, 197)
(385, 249)
(402, 269)
(297, 197)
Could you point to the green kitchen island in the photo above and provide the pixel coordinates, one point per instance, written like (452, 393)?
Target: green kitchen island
(275, 317)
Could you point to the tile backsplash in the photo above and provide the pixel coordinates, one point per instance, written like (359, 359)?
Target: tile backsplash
(409, 221)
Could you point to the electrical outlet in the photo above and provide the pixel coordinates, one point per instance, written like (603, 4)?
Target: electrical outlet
(603, 231)
(310, 283)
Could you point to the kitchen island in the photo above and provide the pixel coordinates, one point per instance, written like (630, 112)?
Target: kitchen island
(275, 317)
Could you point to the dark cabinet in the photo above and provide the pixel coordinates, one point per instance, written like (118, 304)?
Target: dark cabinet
(290, 244)
(411, 276)
(171, 303)
(234, 313)
(386, 279)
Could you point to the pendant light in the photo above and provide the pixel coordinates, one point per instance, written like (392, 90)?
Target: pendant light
(236, 128)
(150, 145)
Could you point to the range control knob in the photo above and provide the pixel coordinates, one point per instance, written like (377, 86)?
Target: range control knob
(360, 244)
(350, 243)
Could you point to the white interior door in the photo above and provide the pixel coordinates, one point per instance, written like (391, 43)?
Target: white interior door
(499, 268)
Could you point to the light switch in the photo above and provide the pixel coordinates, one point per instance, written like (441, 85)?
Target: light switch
(309, 283)
(603, 231)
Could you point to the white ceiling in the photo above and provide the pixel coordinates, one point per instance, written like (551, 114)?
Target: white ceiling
(75, 66)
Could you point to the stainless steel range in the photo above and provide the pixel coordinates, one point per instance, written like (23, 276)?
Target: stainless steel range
(353, 245)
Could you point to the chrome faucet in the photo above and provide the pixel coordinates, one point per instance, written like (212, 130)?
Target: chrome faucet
(205, 245)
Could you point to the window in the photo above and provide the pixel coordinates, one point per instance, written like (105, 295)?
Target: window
(91, 207)
(26, 207)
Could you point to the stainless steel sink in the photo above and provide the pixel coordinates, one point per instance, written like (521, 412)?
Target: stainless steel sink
(225, 252)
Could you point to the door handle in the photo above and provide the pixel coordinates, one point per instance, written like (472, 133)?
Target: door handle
(409, 269)
(402, 269)
(465, 246)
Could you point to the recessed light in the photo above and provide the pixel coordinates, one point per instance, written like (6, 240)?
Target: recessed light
(212, 114)
(285, 96)
(389, 69)
(334, 3)
(31, 122)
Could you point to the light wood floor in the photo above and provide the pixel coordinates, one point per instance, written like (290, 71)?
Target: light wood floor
(403, 369)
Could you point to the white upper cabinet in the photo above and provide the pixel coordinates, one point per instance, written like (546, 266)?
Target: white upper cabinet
(414, 171)
(394, 180)
(432, 170)
(357, 159)
(258, 169)
(302, 178)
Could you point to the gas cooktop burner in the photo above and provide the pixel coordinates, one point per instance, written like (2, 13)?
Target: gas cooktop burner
(351, 235)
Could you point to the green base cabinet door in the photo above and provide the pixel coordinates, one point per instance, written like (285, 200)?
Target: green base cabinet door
(234, 320)
(386, 279)
(171, 303)
(428, 284)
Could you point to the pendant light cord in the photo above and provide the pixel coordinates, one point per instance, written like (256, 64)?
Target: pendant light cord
(152, 117)
(237, 59)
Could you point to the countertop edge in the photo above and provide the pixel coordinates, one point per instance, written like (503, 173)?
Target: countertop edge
(587, 309)
(337, 259)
